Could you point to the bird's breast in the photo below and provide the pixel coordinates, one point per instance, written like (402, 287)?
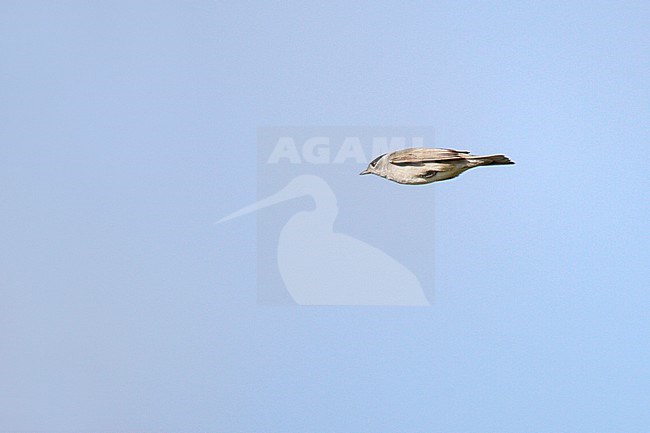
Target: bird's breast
(422, 173)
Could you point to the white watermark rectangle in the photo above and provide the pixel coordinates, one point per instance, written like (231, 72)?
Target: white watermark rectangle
(327, 236)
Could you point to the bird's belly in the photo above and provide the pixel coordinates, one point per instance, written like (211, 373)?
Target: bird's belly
(423, 174)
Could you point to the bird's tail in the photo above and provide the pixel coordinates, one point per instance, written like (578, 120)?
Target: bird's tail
(493, 160)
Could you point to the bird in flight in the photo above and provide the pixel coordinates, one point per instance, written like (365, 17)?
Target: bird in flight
(418, 165)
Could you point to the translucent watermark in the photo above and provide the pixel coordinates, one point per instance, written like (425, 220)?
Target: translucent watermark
(327, 236)
(322, 150)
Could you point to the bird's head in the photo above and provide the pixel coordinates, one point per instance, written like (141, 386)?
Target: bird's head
(377, 166)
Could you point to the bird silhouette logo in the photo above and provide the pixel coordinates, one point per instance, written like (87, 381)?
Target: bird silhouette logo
(322, 267)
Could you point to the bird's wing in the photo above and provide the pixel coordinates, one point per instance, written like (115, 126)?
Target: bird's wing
(418, 155)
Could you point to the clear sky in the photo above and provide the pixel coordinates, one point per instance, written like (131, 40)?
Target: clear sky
(128, 128)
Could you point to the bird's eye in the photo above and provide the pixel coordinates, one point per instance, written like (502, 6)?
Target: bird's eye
(376, 160)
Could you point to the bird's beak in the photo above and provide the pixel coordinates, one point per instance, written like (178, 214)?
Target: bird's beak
(366, 171)
(278, 197)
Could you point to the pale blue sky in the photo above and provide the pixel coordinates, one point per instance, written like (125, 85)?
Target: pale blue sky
(129, 128)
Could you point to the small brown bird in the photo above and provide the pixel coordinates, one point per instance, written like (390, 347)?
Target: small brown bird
(418, 165)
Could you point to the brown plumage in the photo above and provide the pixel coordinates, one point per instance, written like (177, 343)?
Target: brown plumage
(417, 165)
